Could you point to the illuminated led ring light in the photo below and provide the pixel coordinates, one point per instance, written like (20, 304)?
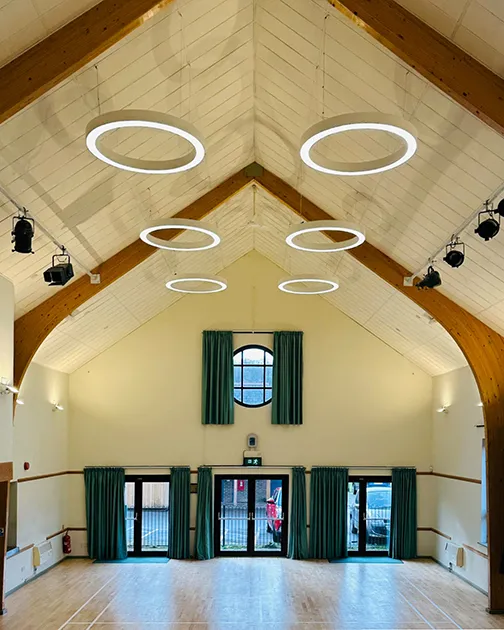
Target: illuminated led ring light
(216, 283)
(362, 122)
(150, 120)
(285, 285)
(356, 238)
(180, 224)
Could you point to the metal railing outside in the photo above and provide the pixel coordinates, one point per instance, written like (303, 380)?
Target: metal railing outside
(234, 522)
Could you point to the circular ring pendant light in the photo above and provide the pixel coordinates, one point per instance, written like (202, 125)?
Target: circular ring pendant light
(356, 236)
(289, 285)
(374, 121)
(216, 284)
(145, 120)
(181, 224)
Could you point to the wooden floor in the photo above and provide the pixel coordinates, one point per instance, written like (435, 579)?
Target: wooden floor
(247, 594)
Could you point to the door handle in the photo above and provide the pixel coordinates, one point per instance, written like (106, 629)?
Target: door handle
(219, 518)
(136, 517)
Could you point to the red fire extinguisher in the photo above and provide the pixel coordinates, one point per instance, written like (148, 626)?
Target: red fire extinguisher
(67, 543)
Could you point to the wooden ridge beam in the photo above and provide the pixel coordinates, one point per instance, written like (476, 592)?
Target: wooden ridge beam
(69, 49)
(33, 327)
(432, 55)
(482, 347)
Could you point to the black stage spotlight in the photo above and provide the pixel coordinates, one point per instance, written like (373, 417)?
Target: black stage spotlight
(22, 233)
(430, 280)
(60, 272)
(455, 253)
(500, 208)
(489, 227)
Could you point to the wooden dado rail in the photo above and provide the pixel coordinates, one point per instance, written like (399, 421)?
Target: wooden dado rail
(194, 472)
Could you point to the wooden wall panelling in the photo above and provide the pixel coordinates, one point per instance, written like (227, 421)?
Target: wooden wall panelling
(69, 49)
(432, 55)
(482, 347)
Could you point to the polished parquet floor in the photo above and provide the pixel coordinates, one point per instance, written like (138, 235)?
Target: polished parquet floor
(247, 594)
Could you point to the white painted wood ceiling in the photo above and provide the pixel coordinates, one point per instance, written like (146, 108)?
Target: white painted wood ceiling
(252, 76)
(252, 219)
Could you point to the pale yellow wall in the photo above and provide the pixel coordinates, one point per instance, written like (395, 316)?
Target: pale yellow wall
(456, 449)
(139, 402)
(6, 365)
(40, 438)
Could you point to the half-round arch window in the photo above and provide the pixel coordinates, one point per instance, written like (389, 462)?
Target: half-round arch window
(253, 375)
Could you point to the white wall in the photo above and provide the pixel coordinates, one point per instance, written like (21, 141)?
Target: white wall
(40, 438)
(139, 402)
(6, 365)
(456, 451)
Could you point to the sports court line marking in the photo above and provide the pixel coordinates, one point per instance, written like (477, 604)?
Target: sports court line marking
(433, 603)
(86, 603)
(416, 610)
(100, 614)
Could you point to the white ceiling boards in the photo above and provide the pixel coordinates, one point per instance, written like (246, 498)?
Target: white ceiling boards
(252, 77)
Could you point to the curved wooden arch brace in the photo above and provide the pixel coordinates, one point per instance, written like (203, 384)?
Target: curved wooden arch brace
(482, 347)
(432, 55)
(31, 329)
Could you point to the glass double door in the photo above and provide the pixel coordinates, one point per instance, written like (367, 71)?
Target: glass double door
(146, 503)
(368, 515)
(251, 515)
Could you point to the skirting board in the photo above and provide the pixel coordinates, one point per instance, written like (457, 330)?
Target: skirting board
(34, 577)
(478, 588)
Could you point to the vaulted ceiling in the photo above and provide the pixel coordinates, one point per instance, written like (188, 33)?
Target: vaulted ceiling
(252, 76)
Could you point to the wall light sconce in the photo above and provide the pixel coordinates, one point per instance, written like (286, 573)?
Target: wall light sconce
(480, 404)
(58, 407)
(19, 401)
(7, 388)
(443, 409)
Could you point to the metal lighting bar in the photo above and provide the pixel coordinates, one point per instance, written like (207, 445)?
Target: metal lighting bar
(408, 280)
(94, 277)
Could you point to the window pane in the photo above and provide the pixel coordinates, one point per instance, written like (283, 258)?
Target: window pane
(269, 358)
(268, 395)
(253, 356)
(253, 376)
(237, 358)
(237, 377)
(269, 376)
(237, 394)
(253, 396)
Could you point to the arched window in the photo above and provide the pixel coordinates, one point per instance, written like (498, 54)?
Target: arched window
(253, 375)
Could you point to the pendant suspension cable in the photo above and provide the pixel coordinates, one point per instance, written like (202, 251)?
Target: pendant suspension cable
(94, 277)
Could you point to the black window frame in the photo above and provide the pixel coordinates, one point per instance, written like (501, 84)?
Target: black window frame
(264, 388)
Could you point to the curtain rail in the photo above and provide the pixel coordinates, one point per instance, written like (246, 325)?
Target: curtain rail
(257, 467)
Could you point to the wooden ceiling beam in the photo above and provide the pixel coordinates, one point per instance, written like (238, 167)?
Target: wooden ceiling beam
(432, 55)
(31, 329)
(482, 347)
(69, 49)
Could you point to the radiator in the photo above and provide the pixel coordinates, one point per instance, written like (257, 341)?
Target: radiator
(454, 554)
(42, 553)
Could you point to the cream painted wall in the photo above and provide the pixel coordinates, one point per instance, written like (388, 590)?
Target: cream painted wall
(139, 402)
(6, 365)
(457, 445)
(40, 438)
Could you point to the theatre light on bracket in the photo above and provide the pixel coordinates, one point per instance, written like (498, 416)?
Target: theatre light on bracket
(190, 225)
(356, 236)
(294, 285)
(142, 119)
(373, 121)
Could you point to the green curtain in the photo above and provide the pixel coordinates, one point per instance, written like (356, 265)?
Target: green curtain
(403, 517)
(287, 404)
(204, 515)
(217, 405)
(180, 496)
(105, 513)
(298, 541)
(328, 512)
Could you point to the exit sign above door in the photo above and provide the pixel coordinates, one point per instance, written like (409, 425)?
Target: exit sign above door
(252, 461)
